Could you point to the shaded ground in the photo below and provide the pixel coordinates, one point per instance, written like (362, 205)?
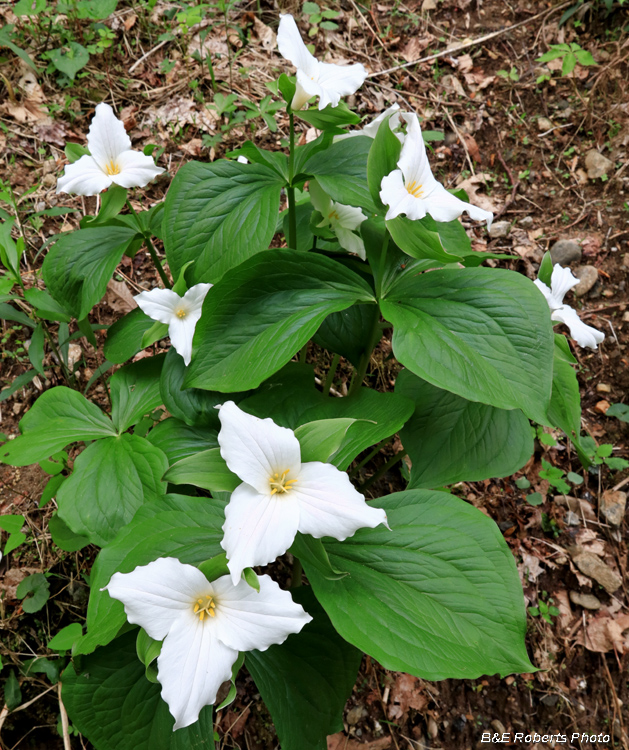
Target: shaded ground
(520, 148)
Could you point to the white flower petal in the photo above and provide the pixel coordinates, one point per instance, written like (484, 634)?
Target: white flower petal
(395, 195)
(107, 138)
(545, 291)
(583, 334)
(247, 620)
(348, 217)
(155, 595)
(351, 242)
(414, 160)
(443, 206)
(561, 282)
(181, 332)
(303, 95)
(159, 304)
(329, 505)
(136, 169)
(339, 80)
(292, 47)
(258, 528)
(371, 130)
(195, 296)
(83, 177)
(255, 449)
(191, 667)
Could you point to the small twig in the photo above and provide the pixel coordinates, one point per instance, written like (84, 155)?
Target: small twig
(65, 725)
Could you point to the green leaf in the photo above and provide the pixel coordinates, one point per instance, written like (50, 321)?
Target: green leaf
(69, 59)
(382, 160)
(306, 547)
(11, 523)
(37, 586)
(29, 7)
(65, 638)
(534, 499)
(178, 440)
(522, 483)
(112, 202)
(24, 379)
(36, 349)
(18, 538)
(112, 478)
(546, 269)
(189, 528)
(50, 490)
(46, 306)
(219, 215)
(564, 410)
(55, 464)
(620, 411)
(80, 265)
(205, 469)
(63, 536)
(416, 239)
(59, 417)
(306, 681)
(124, 338)
(75, 151)
(330, 118)
(12, 692)
(348, 332)
(482, 333)
(8, 312)
(438, 596)
(341, 170)
(6, 34)
(321, 439)
(135, 391)
(276, 160)
(113, 704)
(96, 9)
(449, 439)
(263, 312)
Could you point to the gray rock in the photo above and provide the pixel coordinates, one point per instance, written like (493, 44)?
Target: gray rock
(354, 715)
(613, 505)
(597, 165)
(588, 276)
(591, 565)
(587, 601)
(572, 519)
(500, 229)
(526, 222)
(565, 252)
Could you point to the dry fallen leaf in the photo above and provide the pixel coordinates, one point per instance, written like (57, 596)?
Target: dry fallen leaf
(472, 185)
(605, 633)
(30, 108)
(413, 49)
(119, 298)
(407, 692)
(340, 742)
(266, 35)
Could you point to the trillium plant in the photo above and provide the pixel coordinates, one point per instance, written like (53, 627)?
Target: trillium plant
(232, 488)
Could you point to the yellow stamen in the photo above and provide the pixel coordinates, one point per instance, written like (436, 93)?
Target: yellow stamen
(279, 484)
(205, 607)
(181, 313)
(415, 189)
(112, 168)
(333, 215)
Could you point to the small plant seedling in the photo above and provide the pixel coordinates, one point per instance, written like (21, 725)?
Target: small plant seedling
(509, 75)
(554, 476)
(319, 18)
(620, 411)
(570, 54)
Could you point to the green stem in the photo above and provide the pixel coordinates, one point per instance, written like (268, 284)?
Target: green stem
(151, 249)
(381, 265)
(303, 353)
(290, 190)
(363, 365)
(328, 381)
(382, 471)
(296, 574)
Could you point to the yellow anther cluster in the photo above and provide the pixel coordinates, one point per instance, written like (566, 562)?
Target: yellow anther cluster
(112, 168)
(415, 189)
(203, 608)
(181, 313)
(333, 215)
(280, 484)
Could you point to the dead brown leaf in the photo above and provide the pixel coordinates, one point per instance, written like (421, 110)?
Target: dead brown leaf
(119, 298)
(407, 692)
(472, 147)
(30, 108)
(55, 132)
(413, 49)
(339, 741)
(605, 633)
(472, 185)
(266, 35)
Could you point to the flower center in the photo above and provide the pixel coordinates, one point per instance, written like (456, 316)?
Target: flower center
(205, 606)
(181, 313)
(112, 168)
(333, 215)
(415, 189)
(279, 483)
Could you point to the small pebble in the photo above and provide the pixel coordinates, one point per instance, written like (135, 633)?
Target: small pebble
(588, 276)
(526, 222)
(603, 388)
(587, 601)
(500, 229)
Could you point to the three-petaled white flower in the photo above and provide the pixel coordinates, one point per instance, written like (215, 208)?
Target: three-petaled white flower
(561, 282)
(279, 495)
(327, 81)
(110, 161)
(342, 220)
(180, 314)
(411, 189)
(371, 129)
(203, 625)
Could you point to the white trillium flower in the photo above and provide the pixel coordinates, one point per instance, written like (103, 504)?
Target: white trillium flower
(279, 495)
(342, 220)
(204, 625)
(561, 282)
(180, 314)
(327, 81)
(411, 189)
(111, 159)
(371, 129)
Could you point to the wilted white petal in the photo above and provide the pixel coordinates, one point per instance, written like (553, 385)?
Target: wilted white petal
(583, 334)
(256, 449)
(83, 177)
(248, 620)
(329, 505)
(159, 304)
(562, 281)
(351, 242)
(136, 169)
(155, 595)
(292, 47)
(107, 137)
(258, 527)
(192, 666)
(339, 80)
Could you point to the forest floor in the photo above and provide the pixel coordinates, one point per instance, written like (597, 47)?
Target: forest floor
(546, 152)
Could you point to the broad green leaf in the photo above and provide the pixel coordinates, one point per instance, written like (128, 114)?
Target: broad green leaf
(74, 151)
(306, 547)
(321, 439)
(135, 391)
(382, 160)
(12, 691)
(449, 439)
(6, 35)
(36, 349)
(306, 681)
(70, 58)
(65, 638)
(29, 7)
(341, 170)
(219, 215)
(205, 469)
(8, 312)
(437, 596)
(50, 490)
(330, 118)
(113, 704)
(96, 9)
(59, 417)
(46, 306)
(112, 202)
(34, 591)
(348, 332)
(81, 263)
(276, 160)
(188, 528)
(63, 536)
(620, 411)
(482, 333)
(263, 312)
(416, 239)
(112, 478)
(124, 338)
(11, 523)
(178, 440)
